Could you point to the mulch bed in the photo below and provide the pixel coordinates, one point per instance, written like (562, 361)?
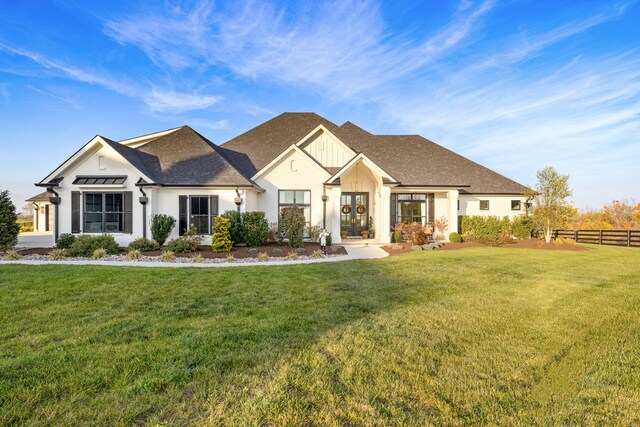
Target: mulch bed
(237, 252)
(519, 244)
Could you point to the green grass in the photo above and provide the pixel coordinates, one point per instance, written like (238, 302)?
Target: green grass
(477, 336)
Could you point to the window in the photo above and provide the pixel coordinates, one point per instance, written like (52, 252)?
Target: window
(412, 208)
(199, 217)
(516, 205)
(103, 212)
(294, 167)
(458, 204)
(484, 205)
(299, 198)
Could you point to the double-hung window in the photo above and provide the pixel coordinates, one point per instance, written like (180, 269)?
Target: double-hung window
(104, 212)
(299, 198)
(199, 212)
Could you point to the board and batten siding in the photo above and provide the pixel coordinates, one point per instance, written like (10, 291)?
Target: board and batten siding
(327, 151)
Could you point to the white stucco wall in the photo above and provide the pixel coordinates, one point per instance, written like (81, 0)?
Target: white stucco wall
(498, 205)
(328, 150)
(305, 175)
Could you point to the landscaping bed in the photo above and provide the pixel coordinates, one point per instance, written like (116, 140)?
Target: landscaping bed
(404, 247)
(240, 254)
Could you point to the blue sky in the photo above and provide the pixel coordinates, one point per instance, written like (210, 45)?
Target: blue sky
(514, 85)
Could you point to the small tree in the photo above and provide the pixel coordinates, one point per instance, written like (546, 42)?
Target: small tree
(221, 239)
(161, 226)
(551, 208)
(9, 228)
(292, 223)
(236, 230)
(254, 228)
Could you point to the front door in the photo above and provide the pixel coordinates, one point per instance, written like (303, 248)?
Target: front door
(354, 213)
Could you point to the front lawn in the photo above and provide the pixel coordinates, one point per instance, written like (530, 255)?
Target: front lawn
(478, 336)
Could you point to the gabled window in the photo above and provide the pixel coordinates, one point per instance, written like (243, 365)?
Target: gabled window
(484, 205)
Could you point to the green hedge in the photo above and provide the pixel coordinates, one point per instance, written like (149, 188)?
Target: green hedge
(85, 245)
(493, 230)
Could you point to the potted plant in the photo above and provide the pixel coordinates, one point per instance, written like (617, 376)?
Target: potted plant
(365, 234)
(343, 234)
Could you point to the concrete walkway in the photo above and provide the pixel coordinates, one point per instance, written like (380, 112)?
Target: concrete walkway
(35, 239)
(353, 252)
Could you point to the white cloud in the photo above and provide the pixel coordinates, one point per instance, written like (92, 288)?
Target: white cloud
(208, 124)
(161, 101)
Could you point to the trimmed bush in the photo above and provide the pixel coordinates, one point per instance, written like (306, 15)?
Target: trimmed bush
(143, 245)
(9, 228)
(161, 226)
(179, 245)
(492, 230)
(292, 224)
(65, 240)
(85, 245)
(254, 228)
(521, 227)
(455, 237)
(221, 239)
(235, 227)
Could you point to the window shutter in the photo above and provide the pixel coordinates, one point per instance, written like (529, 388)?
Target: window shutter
(182, 217)
(213, 211)
(75, 211)
(128, 217)
(394, 207)
(431, 207)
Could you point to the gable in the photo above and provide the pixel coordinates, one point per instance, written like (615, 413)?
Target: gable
(292, 167)
(327, 150)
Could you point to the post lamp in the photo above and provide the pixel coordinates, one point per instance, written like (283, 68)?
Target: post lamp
(238, 202)
(55, 201)
(324, 211)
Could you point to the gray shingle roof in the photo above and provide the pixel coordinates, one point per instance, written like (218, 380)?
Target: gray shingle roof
(42, 197)
(410, 159)
(183, 157)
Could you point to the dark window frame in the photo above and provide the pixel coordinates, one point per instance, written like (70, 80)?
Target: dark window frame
(519, 202)
(488, 205)
(103, 212)
(210, 220)
(398, 201)
(295, 203)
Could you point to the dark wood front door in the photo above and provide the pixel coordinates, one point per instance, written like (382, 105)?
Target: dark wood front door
(354, 213)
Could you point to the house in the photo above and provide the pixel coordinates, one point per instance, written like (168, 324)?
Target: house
(42, 212)
(342, 176)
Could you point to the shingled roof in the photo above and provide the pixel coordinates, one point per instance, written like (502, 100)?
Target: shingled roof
(183, 158)
(410, 159)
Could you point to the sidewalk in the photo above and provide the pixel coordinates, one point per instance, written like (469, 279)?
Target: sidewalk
(353, 252)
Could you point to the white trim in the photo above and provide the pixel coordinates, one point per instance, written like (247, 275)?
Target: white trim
(367, 162)
(284, 154)
(141, 140)
(86, 149)
(324, 129)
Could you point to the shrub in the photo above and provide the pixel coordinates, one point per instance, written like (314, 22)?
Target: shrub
(57, 254)
(397, 235)
(328, 239)
(179, 245)
(273, 234)
(292, 255)
(134, 255)
(9, 228)
(192, 238)
(372, 229)
(255, 228)
(569, 241)
(197, 258)
(99, 254)
(12, 255)
(235, 227)
(85, 245)
(65, 240)
(161, 226)
(167, 256)
(489, 230)
(143, 245)
(263, 256)
(317, 253)
(455, 237)
(521, 227)
(292, 224)
(415, 233)
(221, 239)
(230, 258)
(558, 241)
(313, 231)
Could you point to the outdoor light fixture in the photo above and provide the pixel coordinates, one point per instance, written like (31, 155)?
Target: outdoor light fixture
(238, 202)
(324, 211)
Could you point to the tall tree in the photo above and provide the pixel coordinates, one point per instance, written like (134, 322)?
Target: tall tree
(9, 227)
(551, 208)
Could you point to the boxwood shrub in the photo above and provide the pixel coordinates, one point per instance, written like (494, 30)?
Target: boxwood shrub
(85, 245)
(254, 228)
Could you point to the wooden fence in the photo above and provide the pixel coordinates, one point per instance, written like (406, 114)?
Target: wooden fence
(629, 238)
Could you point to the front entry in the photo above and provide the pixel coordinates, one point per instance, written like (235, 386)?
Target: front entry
(354, 213)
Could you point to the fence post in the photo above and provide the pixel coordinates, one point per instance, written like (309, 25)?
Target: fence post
(600, 236)
(576, 238)
(628, 238)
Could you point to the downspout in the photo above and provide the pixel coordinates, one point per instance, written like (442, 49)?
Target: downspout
(143, 201)
(55, 201)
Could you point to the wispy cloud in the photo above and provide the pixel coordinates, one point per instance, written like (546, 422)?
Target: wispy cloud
(65, 98)
(161, 101)
(209, 124)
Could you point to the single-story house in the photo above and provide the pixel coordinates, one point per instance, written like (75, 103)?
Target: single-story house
(42, 212)
(342, 176)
